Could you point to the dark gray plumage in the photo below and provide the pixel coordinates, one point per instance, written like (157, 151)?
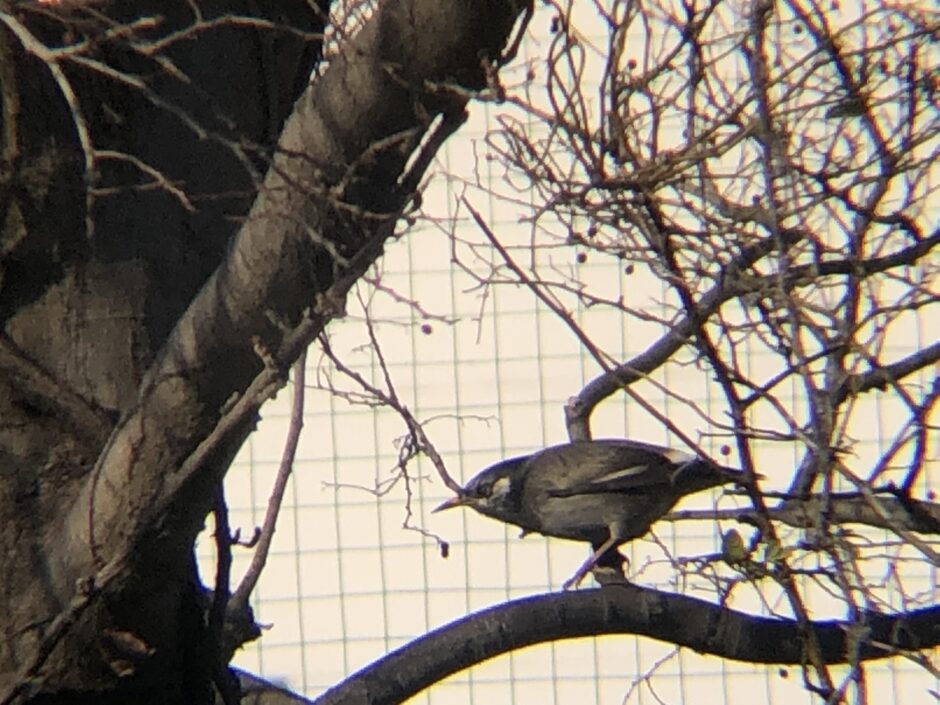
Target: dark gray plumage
(605, 492)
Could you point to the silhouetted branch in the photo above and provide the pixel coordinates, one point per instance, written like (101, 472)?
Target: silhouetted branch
(626, 609)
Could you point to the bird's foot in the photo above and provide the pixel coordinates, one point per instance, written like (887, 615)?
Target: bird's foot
(576, 579)
(603, 574)
(605, 564)
(609, 569)
(608, 575)
(586, 567)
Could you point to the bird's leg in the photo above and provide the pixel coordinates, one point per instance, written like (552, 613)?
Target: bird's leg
(589, 564)
(609, 568)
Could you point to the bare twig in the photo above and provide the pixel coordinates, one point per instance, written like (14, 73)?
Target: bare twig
(263, 545)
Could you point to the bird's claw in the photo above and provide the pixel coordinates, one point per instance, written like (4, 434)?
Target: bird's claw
(574, 580)
(579, 575)
(605, 572)
(607, 575)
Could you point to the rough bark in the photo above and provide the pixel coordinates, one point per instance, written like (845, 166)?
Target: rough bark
(140, 336)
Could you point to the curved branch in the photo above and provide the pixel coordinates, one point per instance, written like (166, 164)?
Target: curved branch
(625, 609)
(905, 514)
(579, 408)
(732, 284)
(881, 377)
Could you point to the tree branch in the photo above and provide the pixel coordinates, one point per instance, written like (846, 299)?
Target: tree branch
(898, 514)
(349, 158)
(625, 609)
(881, 377)
(377, 87)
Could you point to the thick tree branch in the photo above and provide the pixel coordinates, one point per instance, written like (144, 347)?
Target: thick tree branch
(328, 183)
(349, 160)
(257, 691)
(625, 609)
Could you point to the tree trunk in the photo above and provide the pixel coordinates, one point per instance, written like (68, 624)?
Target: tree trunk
(162, 266)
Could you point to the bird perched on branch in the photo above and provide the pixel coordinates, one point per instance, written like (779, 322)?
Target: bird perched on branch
(606, 492)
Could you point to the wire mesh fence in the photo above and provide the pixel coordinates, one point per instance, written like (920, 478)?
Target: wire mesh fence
(357, 567)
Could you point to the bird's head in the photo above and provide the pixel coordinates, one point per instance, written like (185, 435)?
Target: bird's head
(496, 491)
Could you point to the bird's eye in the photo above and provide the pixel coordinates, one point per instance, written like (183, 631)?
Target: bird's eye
(484, 489)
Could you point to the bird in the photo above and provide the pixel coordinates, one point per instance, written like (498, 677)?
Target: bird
(606, 492)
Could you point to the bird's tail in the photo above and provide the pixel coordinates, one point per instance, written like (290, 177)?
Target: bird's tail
(699, 474)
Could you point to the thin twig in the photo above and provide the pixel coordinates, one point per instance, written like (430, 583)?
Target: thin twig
(276, 500)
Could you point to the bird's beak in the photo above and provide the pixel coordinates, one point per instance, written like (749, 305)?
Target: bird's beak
(457, 501)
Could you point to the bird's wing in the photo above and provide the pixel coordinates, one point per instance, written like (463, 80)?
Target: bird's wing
(627, 480)
(615, 466)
